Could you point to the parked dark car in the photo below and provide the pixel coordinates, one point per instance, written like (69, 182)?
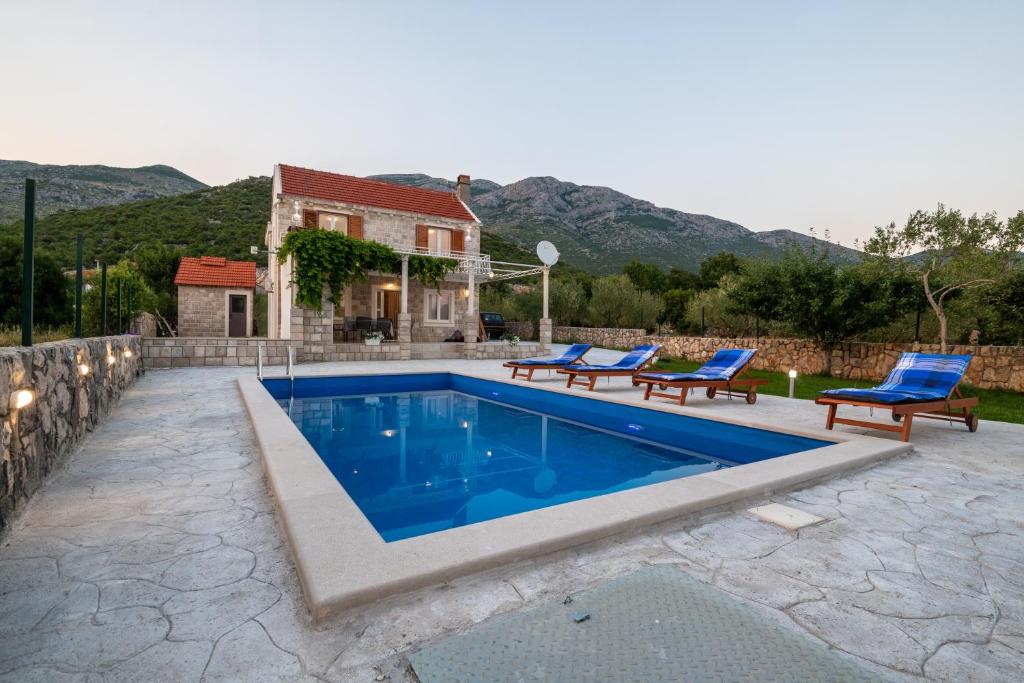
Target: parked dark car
(493, 325)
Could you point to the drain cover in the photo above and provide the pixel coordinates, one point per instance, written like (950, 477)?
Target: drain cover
(785, 516)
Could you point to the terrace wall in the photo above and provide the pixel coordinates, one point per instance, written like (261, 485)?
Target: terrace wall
(993, 367)
(36, 439)
(193, 352)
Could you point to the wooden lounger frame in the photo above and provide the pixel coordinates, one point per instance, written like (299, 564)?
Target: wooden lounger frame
(956, 408)
(731, 387)
(528, 370)
(592, 375)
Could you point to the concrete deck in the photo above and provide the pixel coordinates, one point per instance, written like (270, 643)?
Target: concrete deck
(156, 555)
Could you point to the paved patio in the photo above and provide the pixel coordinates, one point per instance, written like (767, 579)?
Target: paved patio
(155, 555)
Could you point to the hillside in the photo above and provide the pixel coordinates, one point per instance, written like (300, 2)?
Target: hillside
(59, 188)
(601, 230)
(219, 221)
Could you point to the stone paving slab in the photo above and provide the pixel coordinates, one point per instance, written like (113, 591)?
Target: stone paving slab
(155, 554)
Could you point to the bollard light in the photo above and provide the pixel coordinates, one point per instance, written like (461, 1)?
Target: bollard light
(792, 383)
(21, 398)
(84, 369)
(128, 353)
(111, 360)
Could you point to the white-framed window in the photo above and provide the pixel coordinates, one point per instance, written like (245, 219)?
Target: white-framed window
(439, 241)
(337, 222)
(440, 307)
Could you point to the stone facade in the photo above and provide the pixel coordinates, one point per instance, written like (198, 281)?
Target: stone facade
(521, 328)
(34, 440)
(993, 367)
(202, 311)
(394, 228)
(191, 352)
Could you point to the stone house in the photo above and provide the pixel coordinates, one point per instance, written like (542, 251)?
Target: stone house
(412, 221)
(215, 297)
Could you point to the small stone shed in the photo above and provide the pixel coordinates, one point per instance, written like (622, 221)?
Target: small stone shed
(215, 297)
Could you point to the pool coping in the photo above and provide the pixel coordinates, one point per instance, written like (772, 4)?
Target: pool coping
(343, 562)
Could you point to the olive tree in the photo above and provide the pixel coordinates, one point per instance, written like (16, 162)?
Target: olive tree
(819, 298)
(950, 253)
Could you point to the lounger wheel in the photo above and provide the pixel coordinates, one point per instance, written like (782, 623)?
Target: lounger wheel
(896, 417)
(972, 422)
(636, 382)
(711, 392)
(663, 387)
(751, 397)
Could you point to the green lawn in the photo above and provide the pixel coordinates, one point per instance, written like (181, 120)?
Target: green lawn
(1002, 406)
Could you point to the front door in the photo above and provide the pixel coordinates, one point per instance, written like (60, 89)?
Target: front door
(236, 315)
(386, 307)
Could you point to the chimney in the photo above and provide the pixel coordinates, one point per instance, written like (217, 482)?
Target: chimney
(462, 188)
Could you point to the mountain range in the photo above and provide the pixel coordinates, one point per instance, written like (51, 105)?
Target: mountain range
(83, 187)
(595, 228)
(600, 229)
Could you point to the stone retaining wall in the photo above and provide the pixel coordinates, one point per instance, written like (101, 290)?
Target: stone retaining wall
(36, 439)
(993, 367)
(192, 352)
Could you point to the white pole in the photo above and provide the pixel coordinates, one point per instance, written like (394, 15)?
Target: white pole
(792, 383)
(470, 305)
(546, 271)
(405, 284)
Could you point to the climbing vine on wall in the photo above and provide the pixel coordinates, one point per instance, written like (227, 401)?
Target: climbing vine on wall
(431, 271)
(327, 257)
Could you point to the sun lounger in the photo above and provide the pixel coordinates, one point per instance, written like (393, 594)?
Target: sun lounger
(574, 354)
(727, 372)
(922, 384)
(630, 364)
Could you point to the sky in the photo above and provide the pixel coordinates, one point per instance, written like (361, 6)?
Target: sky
(832, 115)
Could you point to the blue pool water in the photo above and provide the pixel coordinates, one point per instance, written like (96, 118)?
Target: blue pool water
(424, 453)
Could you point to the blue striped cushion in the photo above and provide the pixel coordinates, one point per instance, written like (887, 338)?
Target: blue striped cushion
(722, 367)
(631, 361)
(571, 355)
(917, 377)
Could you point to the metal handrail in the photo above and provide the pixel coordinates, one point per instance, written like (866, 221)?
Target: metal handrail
(259, 361)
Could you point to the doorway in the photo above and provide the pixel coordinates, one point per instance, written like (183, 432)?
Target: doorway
(236, 315)
(386, 308)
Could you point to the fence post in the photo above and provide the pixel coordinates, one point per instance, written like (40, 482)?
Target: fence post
(917, 327)
(702, 321)
(79, 247)
(28, 263)
(120, 328)
(757, 330)
(129, 316)
(103, 299)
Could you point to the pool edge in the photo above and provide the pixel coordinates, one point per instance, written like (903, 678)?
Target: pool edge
(342, 562)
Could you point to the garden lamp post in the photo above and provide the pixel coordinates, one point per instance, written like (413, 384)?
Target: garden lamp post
(79, 246)
(792, 383)
(28, 263)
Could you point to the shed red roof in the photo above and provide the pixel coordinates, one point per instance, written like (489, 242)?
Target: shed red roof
(305, 182)
(215, 271)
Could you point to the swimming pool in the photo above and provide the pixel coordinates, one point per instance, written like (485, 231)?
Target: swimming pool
(424, 453)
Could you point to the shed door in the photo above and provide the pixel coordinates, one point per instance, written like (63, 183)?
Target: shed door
(236, 315)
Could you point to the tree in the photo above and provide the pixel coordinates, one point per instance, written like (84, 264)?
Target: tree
(714, 309)
(158, 264)
(53, 294)
(682, 279)
(567, 302)
(132, 282)
(646, 277)
(1006, 303)
(674, 308)
(957, 253)
(615, 302)
(820, 299)
(712, 269)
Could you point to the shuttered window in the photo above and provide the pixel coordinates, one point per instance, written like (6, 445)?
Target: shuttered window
(308, 218)
(355, 227)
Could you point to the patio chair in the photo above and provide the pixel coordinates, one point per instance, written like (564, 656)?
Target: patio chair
(384, 326)
(728, 370)
(630, 364)
(922, 384)
(363, 325)
(574, 354)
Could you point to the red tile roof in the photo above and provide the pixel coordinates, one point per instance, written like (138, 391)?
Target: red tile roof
(305, 182)
(214, 271)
